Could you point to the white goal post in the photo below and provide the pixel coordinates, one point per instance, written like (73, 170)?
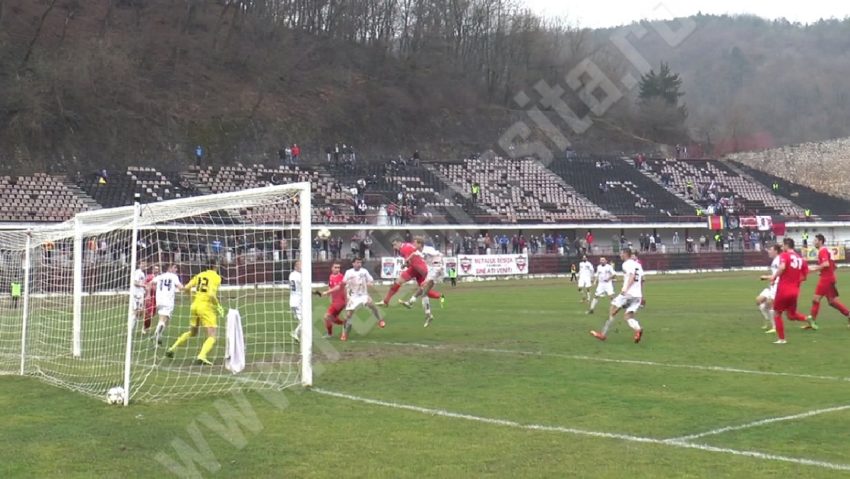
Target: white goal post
(83, 321)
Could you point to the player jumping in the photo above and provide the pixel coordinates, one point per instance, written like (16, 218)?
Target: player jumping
(434, 260)
(791, 273)
(336, 290)
(585, 279)
(630, 298)
(165, 287)
(416, 269)
(604, 283)
(204, 311)
(764, 300)
(826, 284)
(358, 280)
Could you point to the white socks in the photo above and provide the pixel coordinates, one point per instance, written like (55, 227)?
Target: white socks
(634, 324)
(426, 305)
(766, 311)
(593, 303)
(607, 326)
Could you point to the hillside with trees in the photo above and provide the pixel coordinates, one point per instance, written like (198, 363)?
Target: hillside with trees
(101, 82)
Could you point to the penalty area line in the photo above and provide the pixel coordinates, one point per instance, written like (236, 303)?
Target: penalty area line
(762, 422)
(582, 432)
(636, 362)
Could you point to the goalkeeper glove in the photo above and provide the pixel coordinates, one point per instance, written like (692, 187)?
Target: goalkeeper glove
(318, 293)
(220, 310)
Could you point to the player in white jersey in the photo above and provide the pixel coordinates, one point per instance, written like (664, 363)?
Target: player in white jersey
(630, 297)
(585, 279)
(166, 285)
(604, 283)
(138, 289)
(436, 271)
(764, 300)
(357, 281)
(295, 298)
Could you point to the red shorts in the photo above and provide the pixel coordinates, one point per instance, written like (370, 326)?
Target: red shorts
(826, 288)
(334, 309)
(785, 301)
(417, 270)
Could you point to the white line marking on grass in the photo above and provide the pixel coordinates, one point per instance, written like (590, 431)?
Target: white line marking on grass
(578, 357)
(761, 422)
(582, 432)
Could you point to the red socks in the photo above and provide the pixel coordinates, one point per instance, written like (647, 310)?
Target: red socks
(393, 290)
(840, 307)
(815, 309)
(796, 316)
(434, 294)
(329, 324)
(779, 325)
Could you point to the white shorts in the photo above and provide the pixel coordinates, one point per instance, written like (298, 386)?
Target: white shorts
(138, 303)
(768, 293)
(584, 282)
(630, 303)
(165, 309)
(355, 302)
(435, 274)
(605, 289)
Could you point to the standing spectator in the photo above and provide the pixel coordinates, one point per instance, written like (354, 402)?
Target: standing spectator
(329, 153)
(355, 246)
(488, 244)
(475, 191)
(281, 154)
(718, 241)
(676, 238)
(481, 242)
(367, 245)
(652, 242)
(521, 244)
(689, 244)
(199, 155)
(589, 238)
(515, 244)
(416, 158)
(288, 153)
(296, 153)
(503, 243)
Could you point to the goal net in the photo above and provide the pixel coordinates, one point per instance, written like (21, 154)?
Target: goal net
(90, 316)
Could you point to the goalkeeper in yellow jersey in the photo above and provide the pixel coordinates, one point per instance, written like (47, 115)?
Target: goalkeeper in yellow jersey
(204, 311)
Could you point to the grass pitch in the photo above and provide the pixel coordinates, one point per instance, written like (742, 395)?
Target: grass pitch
(506, 383)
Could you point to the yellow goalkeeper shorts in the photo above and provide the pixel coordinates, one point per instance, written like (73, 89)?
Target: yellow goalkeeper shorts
(204, 315)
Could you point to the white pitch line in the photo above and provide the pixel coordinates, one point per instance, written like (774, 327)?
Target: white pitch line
(583, 432)
(578, 357)
(762, 422)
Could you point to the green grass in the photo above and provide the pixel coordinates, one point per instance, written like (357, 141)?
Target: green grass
(514, 351)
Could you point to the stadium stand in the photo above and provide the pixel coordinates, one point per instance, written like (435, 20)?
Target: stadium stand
(617, 186)
(37, 198)
(327, 192)
(120, 188)
(521, 191)
(820, 204)
(713, 177)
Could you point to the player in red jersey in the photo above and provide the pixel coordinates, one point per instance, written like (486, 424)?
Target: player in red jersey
(826, 284)
(336, 290)
(416, 269)
(150, 299)
(791, 273)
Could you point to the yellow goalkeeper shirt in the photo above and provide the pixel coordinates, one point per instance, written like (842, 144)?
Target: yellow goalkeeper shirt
(206, 286)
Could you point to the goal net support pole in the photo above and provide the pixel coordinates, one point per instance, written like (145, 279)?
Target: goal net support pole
(306, 214)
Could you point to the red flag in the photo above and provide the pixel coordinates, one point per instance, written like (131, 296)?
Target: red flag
(778, 229)
(716, 223)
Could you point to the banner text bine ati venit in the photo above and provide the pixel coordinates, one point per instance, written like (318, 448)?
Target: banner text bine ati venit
(468, 265)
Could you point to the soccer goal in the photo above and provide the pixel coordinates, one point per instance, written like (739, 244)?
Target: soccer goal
(79, 322)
